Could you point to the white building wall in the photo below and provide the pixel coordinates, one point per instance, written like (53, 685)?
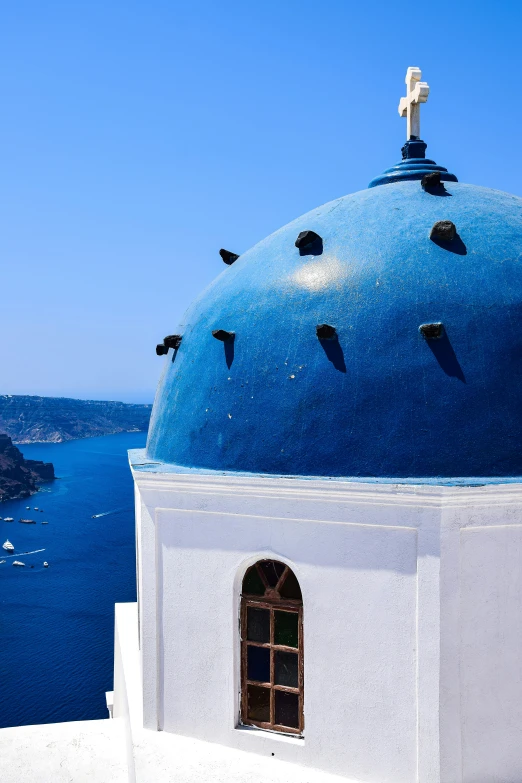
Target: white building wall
(399, 638)
(124, 674)
(491, 652)
(358, 584)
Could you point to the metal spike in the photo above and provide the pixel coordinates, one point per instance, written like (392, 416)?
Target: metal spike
(227, 256)
(325, 332)
(172, 341)
(224, 336)
(431, 331)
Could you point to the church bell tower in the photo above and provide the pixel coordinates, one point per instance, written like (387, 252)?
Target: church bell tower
(328, 508)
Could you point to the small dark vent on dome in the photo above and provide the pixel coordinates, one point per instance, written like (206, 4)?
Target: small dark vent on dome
(161, 349)
(309, 243)
(432, 182)
(228, 257)
(223, 336)
(444, 230)
(172, 341)
(325, 332)
(431, 331)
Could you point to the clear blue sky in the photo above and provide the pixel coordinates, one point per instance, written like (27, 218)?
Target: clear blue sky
(137, 138)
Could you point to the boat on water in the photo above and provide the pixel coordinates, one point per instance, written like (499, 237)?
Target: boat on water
(9, 519)
(8, 546)
(18, 563)
(28, 521)
(36, 508)
(2, 561)
(28, 508)
(46, 564)
(44, 522)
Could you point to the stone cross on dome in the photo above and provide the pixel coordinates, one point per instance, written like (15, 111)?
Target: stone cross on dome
(409, 106)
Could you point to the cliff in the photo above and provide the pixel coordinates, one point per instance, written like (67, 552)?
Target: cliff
(55, 419)
(18, 476)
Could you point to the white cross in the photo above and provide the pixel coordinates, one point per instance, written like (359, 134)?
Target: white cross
(410, 105)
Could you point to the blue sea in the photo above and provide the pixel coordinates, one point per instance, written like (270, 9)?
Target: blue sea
(57, 623)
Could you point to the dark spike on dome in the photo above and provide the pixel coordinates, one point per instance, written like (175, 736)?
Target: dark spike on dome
(431, 181)
(444, 230)
(431, 331)
(172, 341)
(228, 257)
(223, 335)
(325, 332)
(161, 349)
(306, 238)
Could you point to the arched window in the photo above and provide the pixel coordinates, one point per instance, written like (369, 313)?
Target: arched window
(272, 648)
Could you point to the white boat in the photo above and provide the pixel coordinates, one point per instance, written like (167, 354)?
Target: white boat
(46, 564)
(36, 508)
(28, 508)
(18, 563)
(8, 546)
(9, 519)
(2, 561)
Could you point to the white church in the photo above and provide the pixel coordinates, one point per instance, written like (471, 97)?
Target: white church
(329, 509)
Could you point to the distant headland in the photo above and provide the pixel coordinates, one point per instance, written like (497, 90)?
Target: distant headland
(28, 419)
(20, 477)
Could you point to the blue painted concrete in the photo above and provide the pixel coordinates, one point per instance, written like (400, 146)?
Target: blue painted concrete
(381, 401)
(140, 463)
(414, 165)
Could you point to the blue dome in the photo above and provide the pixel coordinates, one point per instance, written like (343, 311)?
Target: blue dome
(380, 399)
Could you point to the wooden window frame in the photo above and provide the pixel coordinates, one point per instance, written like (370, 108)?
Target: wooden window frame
(273, 602)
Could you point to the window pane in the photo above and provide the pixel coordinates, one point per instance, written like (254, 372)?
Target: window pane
(290, 588)
(287, 709)
(258, 703)
(272, 571)
(252, 583)
(286, 628)
(286, 672)
(258, 664)
(258, 625)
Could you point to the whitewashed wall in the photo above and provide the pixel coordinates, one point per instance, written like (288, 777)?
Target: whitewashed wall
(412, 605)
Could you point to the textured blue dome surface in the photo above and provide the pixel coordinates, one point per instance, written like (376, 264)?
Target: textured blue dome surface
(381, 401)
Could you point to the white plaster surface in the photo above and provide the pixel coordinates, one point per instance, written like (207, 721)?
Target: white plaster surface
(357, 567)
(412, 632)
(169, 758)
(163, 757)
(358, 584)
(491, 600)
(77, 752)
